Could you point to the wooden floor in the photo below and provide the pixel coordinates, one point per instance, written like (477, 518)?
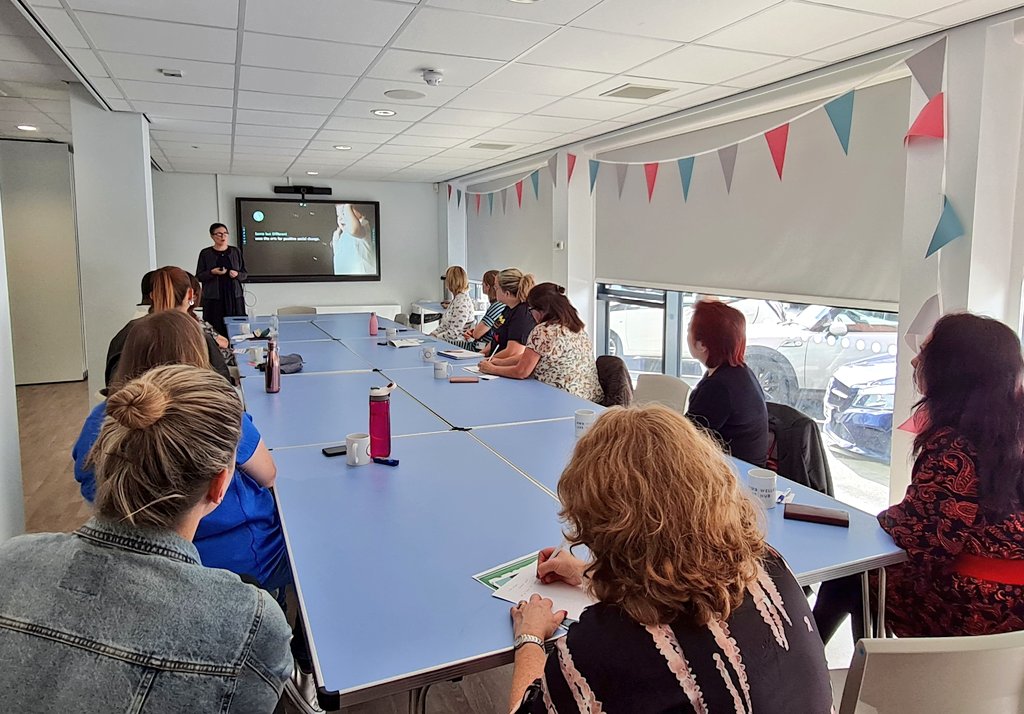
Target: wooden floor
(50, 417)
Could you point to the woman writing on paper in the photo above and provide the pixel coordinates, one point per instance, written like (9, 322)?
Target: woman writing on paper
(557, 352)
(695, 612)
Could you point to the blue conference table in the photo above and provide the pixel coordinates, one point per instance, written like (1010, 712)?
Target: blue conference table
(292, 331)
(384, 559)
(356, 324)
(383, 356)
(317, 356)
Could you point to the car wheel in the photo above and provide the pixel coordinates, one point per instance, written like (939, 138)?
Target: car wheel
(614, 344)
(776, 376)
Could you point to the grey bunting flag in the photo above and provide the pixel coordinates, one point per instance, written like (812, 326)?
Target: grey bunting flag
(553, 169)
(928, 67)
(504, 200)
(621, 170)
(727, 157)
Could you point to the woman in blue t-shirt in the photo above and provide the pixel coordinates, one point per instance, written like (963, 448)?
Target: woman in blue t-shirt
(243, 534)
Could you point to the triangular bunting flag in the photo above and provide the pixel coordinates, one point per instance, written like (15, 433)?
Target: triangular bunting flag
(519, 192)
(777, 139)
(504, 200)
(651, 173)
(928, 66)
(923, 323)
(840, 113)
(490, 203)
(595, 166)
(449, 192)
(570, 164)
(685, 175)
(727, 157)
(930, 123)
(553, 169)
(458, 197)
(478, 204)
(535, 180)
(948, 229)
(621, 170)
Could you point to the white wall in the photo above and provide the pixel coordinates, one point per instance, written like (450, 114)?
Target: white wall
(517, 237)
(186, 205)
(12, 508)
(42, 262)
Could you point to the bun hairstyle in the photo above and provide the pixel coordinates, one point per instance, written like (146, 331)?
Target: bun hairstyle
(550, 301)
(162, 338)
(515, 282)
(170, 288)
(166, 435)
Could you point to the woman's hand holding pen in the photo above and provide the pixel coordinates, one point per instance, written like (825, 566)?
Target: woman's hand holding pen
(559, 565)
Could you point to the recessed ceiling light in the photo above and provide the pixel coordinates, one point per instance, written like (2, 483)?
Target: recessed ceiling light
(312, 173)
(342, 147)
(28, 127)
(404, 94)
(384, 112)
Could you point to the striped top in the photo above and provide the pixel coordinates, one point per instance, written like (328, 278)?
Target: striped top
(766, 659)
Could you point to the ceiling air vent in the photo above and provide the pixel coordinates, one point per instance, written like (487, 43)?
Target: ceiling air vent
(491, 147)
(635, 91)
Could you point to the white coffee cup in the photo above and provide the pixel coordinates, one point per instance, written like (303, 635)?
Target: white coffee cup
(584, 420)
(429, 353)
(358, 448)
(762, 483)
(392, 333)
(442, 370)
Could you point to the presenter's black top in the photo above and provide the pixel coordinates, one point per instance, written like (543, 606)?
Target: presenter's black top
(730, 403)
(222, 287)
(116, 347)
(518, 325)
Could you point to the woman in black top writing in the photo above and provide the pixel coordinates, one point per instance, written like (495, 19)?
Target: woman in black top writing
(221, 270)
(728, 400)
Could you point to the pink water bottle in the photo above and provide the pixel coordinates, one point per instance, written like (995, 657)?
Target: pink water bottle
(373, 324)
(380, 421)
(273, 368)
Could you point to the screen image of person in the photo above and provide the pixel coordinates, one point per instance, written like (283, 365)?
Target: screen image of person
(353, 242)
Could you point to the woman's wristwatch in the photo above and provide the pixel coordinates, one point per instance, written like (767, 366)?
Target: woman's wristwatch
(527, 639)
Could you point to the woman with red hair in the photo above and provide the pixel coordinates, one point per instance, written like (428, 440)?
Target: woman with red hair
(728, 400)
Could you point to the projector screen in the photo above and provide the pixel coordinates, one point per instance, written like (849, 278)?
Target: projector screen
(293, 239)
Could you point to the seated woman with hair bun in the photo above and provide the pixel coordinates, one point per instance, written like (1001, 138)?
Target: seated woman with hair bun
(557, 352)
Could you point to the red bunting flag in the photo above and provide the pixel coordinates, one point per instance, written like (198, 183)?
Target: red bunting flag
(651, 171)
(571, 164)
(931, 122)
(478, 204)
(777, 140)
(449, 192)
(519, 193)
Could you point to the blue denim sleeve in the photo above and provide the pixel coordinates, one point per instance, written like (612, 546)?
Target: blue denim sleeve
(90, 432)
(249, 440)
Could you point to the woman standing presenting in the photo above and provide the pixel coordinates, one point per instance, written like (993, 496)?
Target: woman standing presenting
(221, 270)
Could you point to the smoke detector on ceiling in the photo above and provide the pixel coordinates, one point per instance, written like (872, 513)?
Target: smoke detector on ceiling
(433, 77)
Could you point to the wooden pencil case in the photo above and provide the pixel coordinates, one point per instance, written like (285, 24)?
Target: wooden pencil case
(816, 514)
(463, 380)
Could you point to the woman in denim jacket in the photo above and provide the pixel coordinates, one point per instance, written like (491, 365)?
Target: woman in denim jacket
(121, 615)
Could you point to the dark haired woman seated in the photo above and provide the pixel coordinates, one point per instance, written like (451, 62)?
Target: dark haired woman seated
(962, 518)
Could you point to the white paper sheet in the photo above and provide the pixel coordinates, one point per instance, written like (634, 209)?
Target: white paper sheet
(571, 598)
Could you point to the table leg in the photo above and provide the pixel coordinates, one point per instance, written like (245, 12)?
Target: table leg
(880, 629)
(865, 591)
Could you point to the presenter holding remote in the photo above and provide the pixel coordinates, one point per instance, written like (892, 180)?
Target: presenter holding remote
(221, 270)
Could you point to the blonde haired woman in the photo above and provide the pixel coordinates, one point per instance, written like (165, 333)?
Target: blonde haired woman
(695, 612)
(512, 288)
(121, 615)
(459, 314)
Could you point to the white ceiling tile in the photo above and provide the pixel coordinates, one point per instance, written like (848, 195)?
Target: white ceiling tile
(408, 151)
(14, 24)
(676, 89)
(286, 103)
(351, 137)
(408, 66)
(153, 37)
(34, 90)
(264, 150)
(333, 158)
(365, 22)
(12, 104)
(160, 123)
(31, 115)
(702, 96)
(968, 10)
(681, 20)
(193, 137)
(552, 124)
(470, 35)
(371, 125)
(254, 116)
(284, 132)
(704, 65)
(513, 102)
(896, 8)
(27, 49)
(283, 81)
(176, 93)
(219, 13)
(647, 113)
(63, 29)
(260, 50)
(595, 109)
(87, 62)
(455, 131)
(516, 77)
(425, 141)
(516, 136)
(360, 110)
(147, 68)
(558, 13)
(242, 140)
(372, 90)
(50, 106)
(467, 117)
(576, 48)
(119, 105)
(175, 150)
(787, 29)
(887, 37)
(189, 112)
(33, 72)
(106, 87)
(782, 70)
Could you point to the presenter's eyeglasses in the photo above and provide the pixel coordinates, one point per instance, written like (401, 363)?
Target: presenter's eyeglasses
(220, 233)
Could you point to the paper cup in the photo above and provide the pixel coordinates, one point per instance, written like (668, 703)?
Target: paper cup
(762, 483)
(584, 419)
(358, 446)
(391, 333)
(441, 370)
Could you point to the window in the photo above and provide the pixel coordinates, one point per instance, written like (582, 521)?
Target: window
(836, 364)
